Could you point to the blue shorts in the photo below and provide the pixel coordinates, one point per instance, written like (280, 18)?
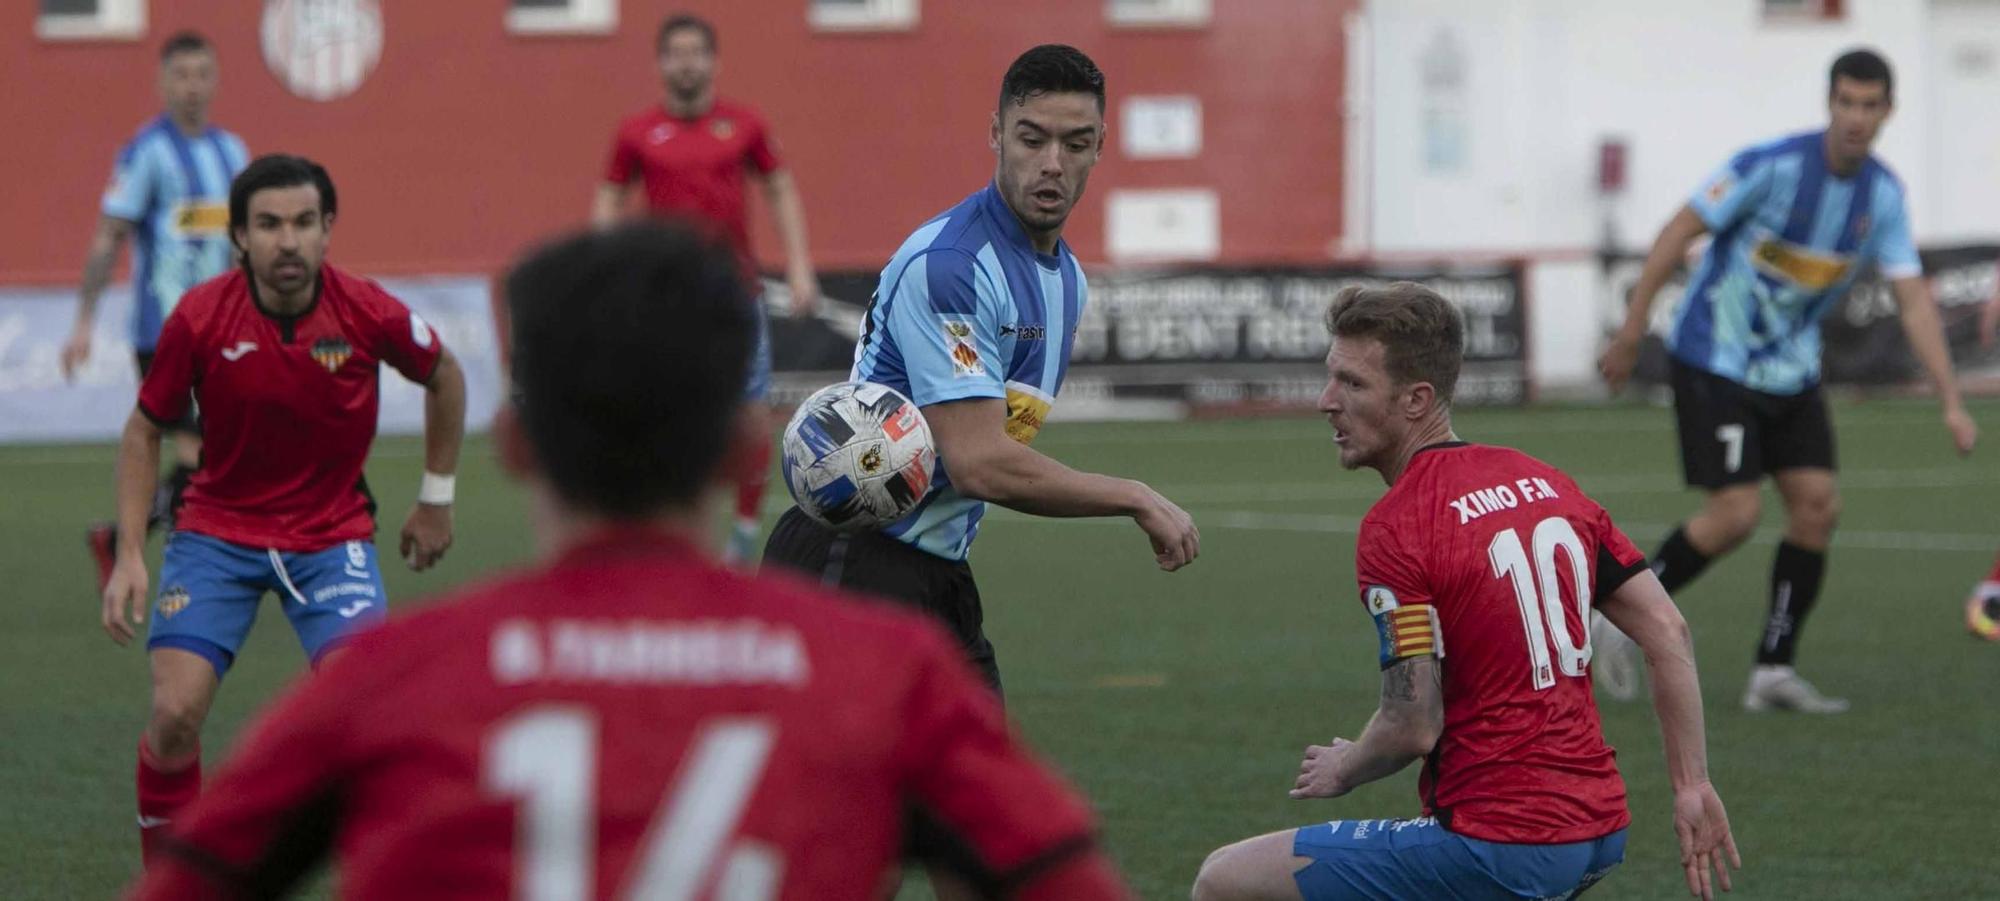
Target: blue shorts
(1417, 858)
(759, 385)
(210, 589)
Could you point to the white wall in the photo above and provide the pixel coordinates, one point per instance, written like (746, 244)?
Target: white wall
(1684, 83)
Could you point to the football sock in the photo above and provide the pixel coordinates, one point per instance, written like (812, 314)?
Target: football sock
(1795, 578)
(1677, 562)
(162, 794)
(1994, 576)
(743, 533)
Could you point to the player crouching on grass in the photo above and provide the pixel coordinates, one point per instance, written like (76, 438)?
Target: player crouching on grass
(1492, 560)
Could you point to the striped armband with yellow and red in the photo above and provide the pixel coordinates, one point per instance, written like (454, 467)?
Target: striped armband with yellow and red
(1406, 630)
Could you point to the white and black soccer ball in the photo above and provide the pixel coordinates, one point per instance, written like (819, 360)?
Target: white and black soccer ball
(858, 456)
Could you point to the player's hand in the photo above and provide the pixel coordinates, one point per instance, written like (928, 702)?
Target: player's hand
(1319, 773)
(75, 351)
(1615, 364)
(125, 599)
(1176, 542)
(1964, 432)
(1703, 829)
(426, 535)
(805, 293)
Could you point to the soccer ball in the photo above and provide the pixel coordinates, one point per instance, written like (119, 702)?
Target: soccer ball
(858, 456)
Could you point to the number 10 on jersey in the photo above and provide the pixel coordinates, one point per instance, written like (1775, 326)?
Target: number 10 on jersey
(1538, 591)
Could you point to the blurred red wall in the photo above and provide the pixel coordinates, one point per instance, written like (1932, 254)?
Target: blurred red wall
(468, 142)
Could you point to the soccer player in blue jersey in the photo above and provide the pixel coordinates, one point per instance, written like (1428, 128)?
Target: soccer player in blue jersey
(1795, 221)
(974, 319)
(169, 192)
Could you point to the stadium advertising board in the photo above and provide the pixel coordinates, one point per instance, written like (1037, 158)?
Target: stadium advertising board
(1209, 339)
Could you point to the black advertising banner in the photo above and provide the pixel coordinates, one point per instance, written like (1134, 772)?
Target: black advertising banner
(1205, 337)
(1862, 338)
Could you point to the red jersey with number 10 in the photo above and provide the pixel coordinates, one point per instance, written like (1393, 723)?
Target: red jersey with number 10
(1492, 559)
(288, 405)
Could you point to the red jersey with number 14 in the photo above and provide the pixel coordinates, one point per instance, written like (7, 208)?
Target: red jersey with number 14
(1492, 559)
(288, 405)
(631, 721)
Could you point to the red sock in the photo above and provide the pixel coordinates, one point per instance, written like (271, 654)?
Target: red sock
(750, 499)
(162, 794)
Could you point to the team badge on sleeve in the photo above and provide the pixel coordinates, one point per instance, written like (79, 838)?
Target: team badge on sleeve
(1405, 630)
(420, 331)
(965, 361)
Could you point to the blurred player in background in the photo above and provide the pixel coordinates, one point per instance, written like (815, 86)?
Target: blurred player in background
(1795, 221)
(628, 718)
(1480, 567)
(974, 320)
(691, 154)
(284, 355)
(170, 190)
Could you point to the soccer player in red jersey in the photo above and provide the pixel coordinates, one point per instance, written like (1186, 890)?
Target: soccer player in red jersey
(692, 154)
(1480, 567)
(284, 356)
(628, 717)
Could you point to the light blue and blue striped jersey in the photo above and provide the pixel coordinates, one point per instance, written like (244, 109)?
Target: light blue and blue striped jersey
(967, 308)
(175, 190)
(1790, 237)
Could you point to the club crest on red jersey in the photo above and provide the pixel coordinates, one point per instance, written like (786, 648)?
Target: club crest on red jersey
(722, 129)
(332, 352)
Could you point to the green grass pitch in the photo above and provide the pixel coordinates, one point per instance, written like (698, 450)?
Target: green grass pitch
(1180, 703)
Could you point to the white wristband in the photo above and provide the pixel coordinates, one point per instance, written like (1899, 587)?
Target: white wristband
(436, 490)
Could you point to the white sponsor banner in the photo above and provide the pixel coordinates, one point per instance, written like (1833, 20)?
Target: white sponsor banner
(38, 405)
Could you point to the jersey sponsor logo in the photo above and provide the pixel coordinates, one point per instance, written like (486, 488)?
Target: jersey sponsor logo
(420, 331)
(197, 218)
(1027, 333)
(173, 601)
(1798, 265)
(232, 354)
(332, 353)
(1027, 408)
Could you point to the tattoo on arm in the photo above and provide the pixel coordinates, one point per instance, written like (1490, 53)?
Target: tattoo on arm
(1399, 681)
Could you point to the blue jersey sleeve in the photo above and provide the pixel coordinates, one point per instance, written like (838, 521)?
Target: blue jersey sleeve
(1895, 253)
(1733, 191)
(944, 316)
(134, 183)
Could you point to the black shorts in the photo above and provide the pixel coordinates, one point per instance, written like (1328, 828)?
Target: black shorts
(1733, 435)
(191, 423)
(874, 564)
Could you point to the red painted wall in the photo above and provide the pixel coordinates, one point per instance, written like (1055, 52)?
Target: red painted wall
(467, 143)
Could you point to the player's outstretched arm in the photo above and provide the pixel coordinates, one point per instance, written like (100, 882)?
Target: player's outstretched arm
(1643, 611)
(1925, 332)
(1402, 731)
(427, 532)
(1669, 249)
(987, 465)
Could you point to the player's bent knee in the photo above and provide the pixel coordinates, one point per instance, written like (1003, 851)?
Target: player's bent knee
(175, 727)
(1229, 874)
